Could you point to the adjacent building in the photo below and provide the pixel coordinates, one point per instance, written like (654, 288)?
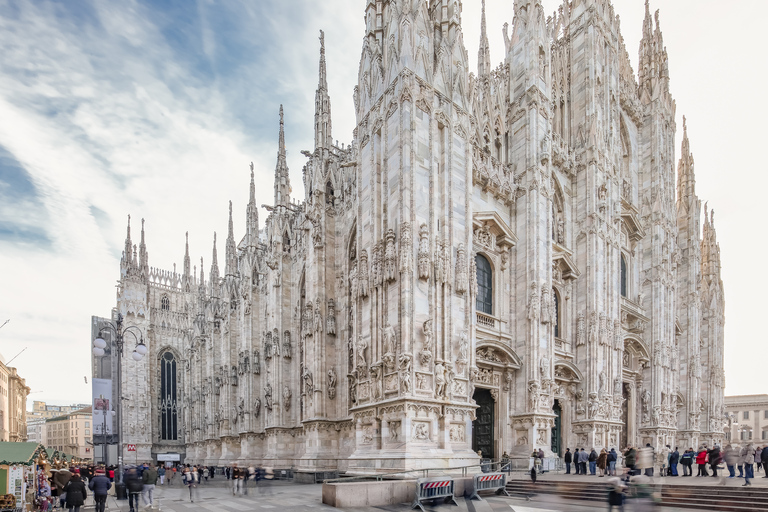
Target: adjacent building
(747, 419)
(71, 433)
(44, 410)
(499, 261)
(36, 430)
(13, 404)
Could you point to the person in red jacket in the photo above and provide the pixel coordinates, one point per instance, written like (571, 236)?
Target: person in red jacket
(701, 459)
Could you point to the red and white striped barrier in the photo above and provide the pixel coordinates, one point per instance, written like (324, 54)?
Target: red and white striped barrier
(433, 488)
(489, 482)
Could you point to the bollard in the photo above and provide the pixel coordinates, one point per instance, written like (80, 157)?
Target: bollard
(432, 489)
(489, 482)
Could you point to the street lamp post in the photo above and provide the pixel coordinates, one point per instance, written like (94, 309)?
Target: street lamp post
(98, 350)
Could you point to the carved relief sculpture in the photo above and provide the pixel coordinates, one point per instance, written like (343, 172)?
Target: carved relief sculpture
(461, 270)
(406, 242)
(363, 273)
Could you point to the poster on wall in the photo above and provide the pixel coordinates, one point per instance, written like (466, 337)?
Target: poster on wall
(102, 406)
(16, 484)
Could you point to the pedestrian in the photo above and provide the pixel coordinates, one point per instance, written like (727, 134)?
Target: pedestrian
(149, 479)
(612, 457)
(269, 476)
(249, 475)
(701, 459)
(664, 460)
(134, 486)
(687, 461)
(533, 474)
(237, 484)
(60, 480)
(191, 479)
(592, 459)
(567, 458)
(749, 464)
(714, 459)
(576, 462)
(76, 492)
(583, 459)
(731, 459)
(206, 473)
(645, 459)
(674, 460)
(630, 459)
(602, 462)
(161, 474)
(764, 459)
(100, 486)
(616, 494)
(758, 458)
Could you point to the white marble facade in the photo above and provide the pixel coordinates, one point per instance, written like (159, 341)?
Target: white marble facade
(347, 332)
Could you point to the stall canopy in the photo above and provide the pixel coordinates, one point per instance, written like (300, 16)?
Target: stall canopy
(22, 454)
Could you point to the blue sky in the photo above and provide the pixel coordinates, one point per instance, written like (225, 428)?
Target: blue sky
(155, 109)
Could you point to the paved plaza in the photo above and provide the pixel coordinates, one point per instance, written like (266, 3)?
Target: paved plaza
(288, 497)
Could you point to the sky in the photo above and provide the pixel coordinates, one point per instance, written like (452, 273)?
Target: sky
(156, 109)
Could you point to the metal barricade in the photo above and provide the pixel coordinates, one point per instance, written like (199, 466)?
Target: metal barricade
(489, 482)
(433, 489)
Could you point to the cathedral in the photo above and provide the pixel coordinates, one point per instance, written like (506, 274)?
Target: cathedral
(498, 262)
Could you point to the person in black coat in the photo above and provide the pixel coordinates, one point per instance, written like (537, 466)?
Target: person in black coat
(568, 458)
(76, 493)
(135, 485)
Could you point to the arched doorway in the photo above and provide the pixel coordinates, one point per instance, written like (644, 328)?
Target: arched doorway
(482, 427)
(556, 444)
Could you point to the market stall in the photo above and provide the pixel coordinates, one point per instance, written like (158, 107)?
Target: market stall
(19, 464)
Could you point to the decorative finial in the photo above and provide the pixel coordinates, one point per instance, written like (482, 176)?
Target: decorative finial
(251, 167)
(322, 41)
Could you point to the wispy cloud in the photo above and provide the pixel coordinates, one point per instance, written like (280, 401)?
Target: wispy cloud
(156, 109)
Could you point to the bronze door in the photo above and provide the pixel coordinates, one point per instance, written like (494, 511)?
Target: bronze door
(482, 427)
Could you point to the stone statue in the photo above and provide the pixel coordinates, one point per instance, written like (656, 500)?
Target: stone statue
(426, 351)
(256, 408)
(268, 397)
(331, 384)
(287, 397)
(405, 372)
(439, 380)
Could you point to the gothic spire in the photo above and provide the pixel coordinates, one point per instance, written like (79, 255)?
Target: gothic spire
(143, 255)
(231, 248)
(202, 276)
(128, 251)
(282, 180)
(252, 215)
(323, 138)
(686, 180)
(187, 274)
(214, 279)
(653, 66)
(484, 52)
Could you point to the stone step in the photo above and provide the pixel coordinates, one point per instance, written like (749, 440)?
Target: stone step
(727, 499)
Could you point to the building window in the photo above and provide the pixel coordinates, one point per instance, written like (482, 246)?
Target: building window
(168, 409)
(623, 276)
(484, 285)
(765, 415)
(765, 435)
(556, 304)
(745, 415)
(165, 303)
(750, 435)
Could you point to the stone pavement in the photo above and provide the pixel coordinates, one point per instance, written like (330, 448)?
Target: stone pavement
(290, 497)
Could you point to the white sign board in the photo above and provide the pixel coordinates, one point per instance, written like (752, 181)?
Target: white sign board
(16, 485)
(102, 403)
(168, 457)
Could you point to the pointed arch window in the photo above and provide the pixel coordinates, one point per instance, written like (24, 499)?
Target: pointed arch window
(165, 303)
(168, 404)
(484, 285)
(623, 276)
(556, 305)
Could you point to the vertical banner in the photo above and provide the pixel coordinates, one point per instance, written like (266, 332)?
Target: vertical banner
(16, 485)
(102, 406)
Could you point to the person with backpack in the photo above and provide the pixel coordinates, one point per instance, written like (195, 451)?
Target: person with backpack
(714, 459)
(612, 457)
(687, 461)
